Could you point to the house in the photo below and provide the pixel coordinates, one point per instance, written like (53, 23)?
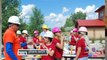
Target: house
(102, 14)
(96, 27)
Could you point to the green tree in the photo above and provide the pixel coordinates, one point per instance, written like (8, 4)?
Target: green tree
(69, 22)
(78, 15)
(63, 29)
(9, 8)
(36, 21)
(23, 25)
(73, 18)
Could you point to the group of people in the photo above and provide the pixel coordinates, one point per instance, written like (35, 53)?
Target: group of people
(80, 39)
(50, 40)
(53, 41)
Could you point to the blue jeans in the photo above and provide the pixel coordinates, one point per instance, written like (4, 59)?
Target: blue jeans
(83, 58)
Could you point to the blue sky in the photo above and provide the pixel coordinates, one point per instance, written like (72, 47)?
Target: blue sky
(56, 11)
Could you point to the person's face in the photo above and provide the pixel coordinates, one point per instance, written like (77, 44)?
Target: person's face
(15, 27)
(75, 33)
(44, 29)
(25, 35)
(46, 39)
(58, 34)
(18, 35)
(36, 35)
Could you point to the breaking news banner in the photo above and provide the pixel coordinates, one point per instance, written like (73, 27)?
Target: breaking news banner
(32, 52)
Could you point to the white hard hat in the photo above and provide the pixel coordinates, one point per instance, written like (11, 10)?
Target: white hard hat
(14, 19)
(49, 34)
(18, 32)
(71, 31)
(83, 29)
(25, 31)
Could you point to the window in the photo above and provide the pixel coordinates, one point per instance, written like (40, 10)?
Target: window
(101, 15)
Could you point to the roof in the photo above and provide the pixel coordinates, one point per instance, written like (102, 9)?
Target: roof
(100, 8)
(91, 23)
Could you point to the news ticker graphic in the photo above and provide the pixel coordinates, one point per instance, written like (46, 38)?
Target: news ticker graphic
(32, 52)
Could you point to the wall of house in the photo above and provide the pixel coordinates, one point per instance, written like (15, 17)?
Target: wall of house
(96, 33)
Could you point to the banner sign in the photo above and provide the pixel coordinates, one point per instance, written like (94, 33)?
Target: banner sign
(32, 52)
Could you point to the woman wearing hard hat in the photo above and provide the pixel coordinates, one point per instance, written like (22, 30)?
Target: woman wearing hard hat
(45, 29)
(74, 39)
(36, 38)
(18, 33)
(85, 34)
(23, 40)
(36, 42)
(49, 46)
(11, 43)
(58, 41)
(81, 49)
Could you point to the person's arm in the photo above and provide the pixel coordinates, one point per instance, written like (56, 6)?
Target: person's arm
(10, 52)
(51, 52)
(78, 53)
(61, 45)
(23, 44)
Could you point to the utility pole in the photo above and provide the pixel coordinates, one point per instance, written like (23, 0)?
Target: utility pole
(106, 29)
(0, 28)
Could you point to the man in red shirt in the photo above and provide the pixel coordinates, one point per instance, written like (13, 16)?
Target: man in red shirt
(58, 41)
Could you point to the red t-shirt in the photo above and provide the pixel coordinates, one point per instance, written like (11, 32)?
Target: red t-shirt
(81, 43)
(73, 41)
(58, 51)
(48, 57)
(22, 40)
(36, 40)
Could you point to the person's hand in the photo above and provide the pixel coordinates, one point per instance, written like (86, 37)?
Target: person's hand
(44, 46)
(62, 38)
(75, 59)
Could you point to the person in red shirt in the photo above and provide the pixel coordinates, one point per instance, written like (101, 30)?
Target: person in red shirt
(74, 38)
(23, 40)
(81, 51)
(49, 46)
(58, 41)
(18, 34)
(36, 37)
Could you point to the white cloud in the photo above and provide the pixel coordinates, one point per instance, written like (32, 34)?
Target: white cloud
(89, 10)
(65, 9)
(55, 20)
(79, 9)
(26, 12)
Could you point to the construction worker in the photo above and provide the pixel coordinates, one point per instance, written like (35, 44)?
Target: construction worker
(71, 34)
(37, 43)
(10, 40)
(85, 34)
(58, 41)
(18, 33)
(49, 46)
(81, 51)
(74, 38)
(45, 30)
(36, 38)
(23, 40)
